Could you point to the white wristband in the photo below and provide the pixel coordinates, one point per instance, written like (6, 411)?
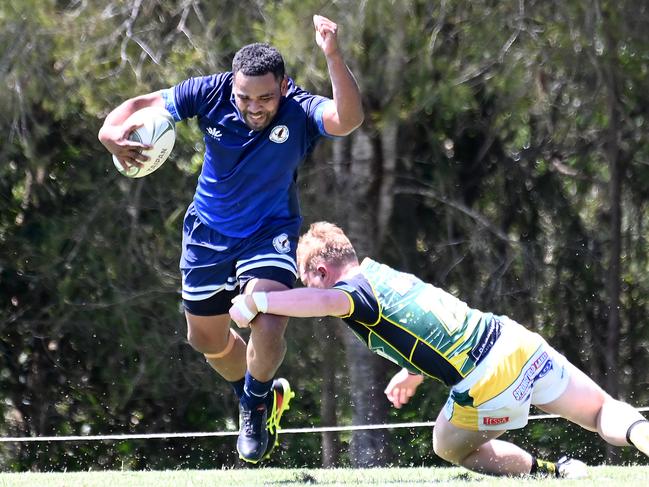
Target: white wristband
(241, 305)
(261, 301)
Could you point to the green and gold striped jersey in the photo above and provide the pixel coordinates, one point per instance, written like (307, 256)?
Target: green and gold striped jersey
(415, 324)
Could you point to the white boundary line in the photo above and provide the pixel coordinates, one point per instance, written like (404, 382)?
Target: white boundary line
(321, 429)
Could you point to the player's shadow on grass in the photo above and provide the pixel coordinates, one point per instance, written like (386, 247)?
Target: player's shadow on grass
(305, 478)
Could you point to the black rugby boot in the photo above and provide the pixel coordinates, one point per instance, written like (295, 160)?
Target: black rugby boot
(253, 435)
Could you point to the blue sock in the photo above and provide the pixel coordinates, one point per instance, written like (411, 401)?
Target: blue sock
(255, 392)
(237, 386)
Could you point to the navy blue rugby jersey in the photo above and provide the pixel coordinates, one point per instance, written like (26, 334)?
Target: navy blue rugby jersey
(415, 324)
(247, 177)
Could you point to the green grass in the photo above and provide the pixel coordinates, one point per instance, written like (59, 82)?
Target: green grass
(599, 476)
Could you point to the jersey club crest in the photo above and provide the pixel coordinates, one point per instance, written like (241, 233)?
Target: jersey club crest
(279, 134)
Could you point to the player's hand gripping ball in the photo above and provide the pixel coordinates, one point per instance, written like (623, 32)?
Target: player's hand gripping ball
(158, 130)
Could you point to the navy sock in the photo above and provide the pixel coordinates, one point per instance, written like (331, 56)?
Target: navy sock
(255, 392)
(237, 386)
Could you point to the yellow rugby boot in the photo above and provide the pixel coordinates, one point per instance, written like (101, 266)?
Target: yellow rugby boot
(282, 395)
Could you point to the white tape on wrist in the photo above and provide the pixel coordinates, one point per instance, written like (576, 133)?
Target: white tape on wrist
(241, 305)
(261, 301)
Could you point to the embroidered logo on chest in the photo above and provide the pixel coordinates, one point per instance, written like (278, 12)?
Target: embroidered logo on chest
(279, 134)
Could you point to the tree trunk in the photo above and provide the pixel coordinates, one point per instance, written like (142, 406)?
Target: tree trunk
(612, 150)
(368, 447)
(328, 410)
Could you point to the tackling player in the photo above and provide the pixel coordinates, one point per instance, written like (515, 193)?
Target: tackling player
(241, 230)
(494, 367)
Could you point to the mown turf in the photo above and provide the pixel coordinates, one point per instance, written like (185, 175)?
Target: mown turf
(600, 476)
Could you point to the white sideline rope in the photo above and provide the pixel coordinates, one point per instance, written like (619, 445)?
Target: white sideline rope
(321, 429)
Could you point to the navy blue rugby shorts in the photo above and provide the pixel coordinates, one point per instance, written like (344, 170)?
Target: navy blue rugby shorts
(215, 268)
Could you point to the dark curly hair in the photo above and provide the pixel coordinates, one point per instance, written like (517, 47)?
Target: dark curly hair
(258, 59)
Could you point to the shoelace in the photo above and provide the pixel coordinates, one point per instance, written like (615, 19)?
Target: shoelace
(252, 420)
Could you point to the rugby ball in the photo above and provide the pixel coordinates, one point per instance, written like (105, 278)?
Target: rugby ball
(159, 130)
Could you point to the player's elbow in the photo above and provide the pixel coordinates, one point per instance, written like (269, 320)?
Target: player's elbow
(104, 134)
(360, 118)
(357, 118)
(352, 122)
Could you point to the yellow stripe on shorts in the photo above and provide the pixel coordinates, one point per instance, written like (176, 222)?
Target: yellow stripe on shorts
(504, 374)
(465, 417)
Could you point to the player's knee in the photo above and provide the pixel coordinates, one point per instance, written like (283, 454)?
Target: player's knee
(199, 342)
(206, 342)
(267, 331)
(443, 451)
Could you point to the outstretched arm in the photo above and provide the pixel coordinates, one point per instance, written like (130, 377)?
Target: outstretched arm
(346, 113)
(303, 302)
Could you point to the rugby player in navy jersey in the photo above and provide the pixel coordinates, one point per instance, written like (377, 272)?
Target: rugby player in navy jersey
(494, 367)
(241, 229)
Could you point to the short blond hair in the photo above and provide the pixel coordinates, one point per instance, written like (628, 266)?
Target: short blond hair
(326, 242)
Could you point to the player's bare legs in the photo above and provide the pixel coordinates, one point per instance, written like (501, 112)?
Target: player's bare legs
(266, 346)
(589, 406)
(262, 356)
(479, 451)
(211, 336)
(250, 369)
(262, 400)
(583, 403)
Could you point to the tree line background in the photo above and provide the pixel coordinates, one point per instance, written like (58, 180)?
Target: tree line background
(504, 157)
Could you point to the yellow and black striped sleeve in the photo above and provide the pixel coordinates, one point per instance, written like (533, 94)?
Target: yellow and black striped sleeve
(364, 305)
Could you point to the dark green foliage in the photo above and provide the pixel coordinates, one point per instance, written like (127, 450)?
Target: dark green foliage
(509, 128)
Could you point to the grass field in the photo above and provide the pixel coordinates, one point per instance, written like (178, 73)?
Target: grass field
(599, 476)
